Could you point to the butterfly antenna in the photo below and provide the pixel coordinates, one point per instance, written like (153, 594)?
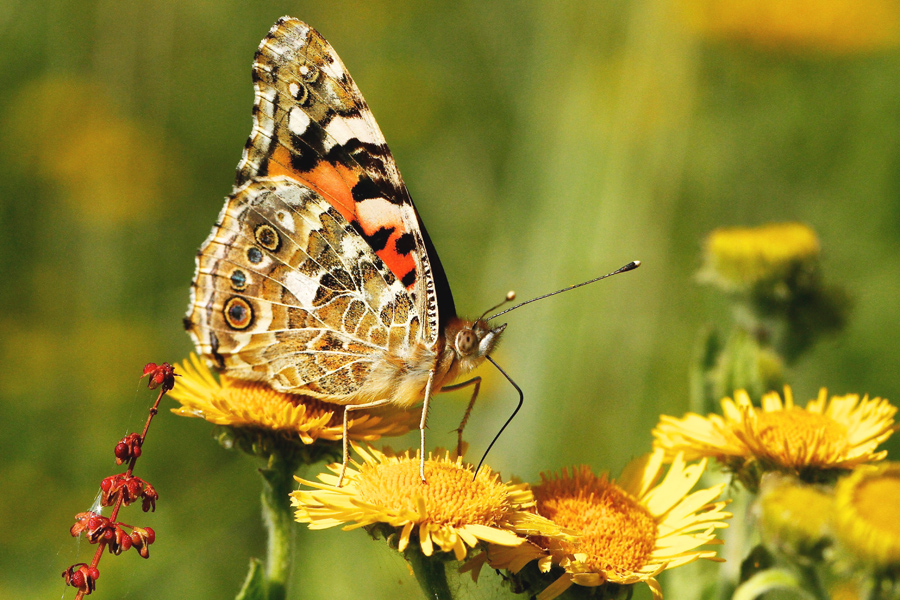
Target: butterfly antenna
(509, 420)
(510, 296)
(629, 267)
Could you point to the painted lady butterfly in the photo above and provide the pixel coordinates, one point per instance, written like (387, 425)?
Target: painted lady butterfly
(319, 277)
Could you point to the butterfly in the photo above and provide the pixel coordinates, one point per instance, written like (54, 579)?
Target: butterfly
(319, 277)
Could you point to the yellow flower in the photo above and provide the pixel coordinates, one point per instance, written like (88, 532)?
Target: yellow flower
(854, 588)
(835, 26)
(631, 530)
(454, 511)
(839, 434)
(741, 258)
(244, 404)
(866, 517)
(793, 515)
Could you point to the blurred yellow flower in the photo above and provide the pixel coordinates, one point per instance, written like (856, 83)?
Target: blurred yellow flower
(244, 404)
(866, 523)
(854, 588)
(631, 530)
(741, 258)
(793, 515)
(111, 169)
(840, 433)
(454, 511)
(834, 26)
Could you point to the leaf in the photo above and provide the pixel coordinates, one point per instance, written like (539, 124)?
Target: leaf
(254, 587)
(768, 580)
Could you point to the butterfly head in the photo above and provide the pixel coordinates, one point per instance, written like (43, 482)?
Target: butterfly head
(472, 341)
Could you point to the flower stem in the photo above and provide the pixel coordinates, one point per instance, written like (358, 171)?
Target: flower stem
(430, 573)
(278, 483)
(812, 582)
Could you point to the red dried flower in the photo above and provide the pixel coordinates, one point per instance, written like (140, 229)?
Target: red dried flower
(130, 488)
(160, 375)
(95, 526)
(82, 576)
(141, 538)
(129, 447)
(120, 542)
(150, 497)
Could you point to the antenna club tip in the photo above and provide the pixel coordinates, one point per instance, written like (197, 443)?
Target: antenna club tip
(510, 295)
(630, 266)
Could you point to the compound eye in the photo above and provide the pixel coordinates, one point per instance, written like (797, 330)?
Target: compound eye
(466, 341)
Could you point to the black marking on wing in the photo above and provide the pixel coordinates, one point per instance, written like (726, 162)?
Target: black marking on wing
(378, 240)
(405, 244)
(365, 189)
(214, 350)
(408, 279)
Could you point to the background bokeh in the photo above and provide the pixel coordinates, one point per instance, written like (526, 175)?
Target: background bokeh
(544, 143)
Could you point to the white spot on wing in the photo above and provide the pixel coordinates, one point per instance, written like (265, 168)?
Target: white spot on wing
(298, 121)
(302, 287)
(285, 221)
(266, 93)
(378, 212)
(343, 129)
(339, 130)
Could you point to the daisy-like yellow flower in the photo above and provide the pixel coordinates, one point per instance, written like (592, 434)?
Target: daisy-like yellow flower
(837, 434)
(243, 404)
(631, 530)
(866, 514)
(452, 512)
(741, 258)
(834, 26)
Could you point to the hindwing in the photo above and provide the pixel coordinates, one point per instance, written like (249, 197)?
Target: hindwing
(287, 292)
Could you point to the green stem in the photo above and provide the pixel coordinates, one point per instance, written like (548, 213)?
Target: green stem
(813, 583)
(738, 542)
(430, 573)
(278, 483)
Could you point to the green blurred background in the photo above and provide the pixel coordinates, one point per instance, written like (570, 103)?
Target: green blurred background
(544, 143)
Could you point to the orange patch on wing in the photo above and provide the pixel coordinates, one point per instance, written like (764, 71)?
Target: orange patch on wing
(280, 164)
(377, 214)
(334, 183)
(399, 264)
(330, 182)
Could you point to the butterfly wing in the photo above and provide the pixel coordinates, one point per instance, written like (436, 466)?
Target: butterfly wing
(311, 124)
(319, 265)
(287, 292)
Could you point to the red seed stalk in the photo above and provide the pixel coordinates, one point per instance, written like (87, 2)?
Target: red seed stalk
(118, 490)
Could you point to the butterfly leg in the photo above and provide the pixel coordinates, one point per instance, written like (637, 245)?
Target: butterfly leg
(476, 383)
(422, 424)
(345, 437)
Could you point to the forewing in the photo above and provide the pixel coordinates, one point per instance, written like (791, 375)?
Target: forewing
(311, 124)
(287, 292)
